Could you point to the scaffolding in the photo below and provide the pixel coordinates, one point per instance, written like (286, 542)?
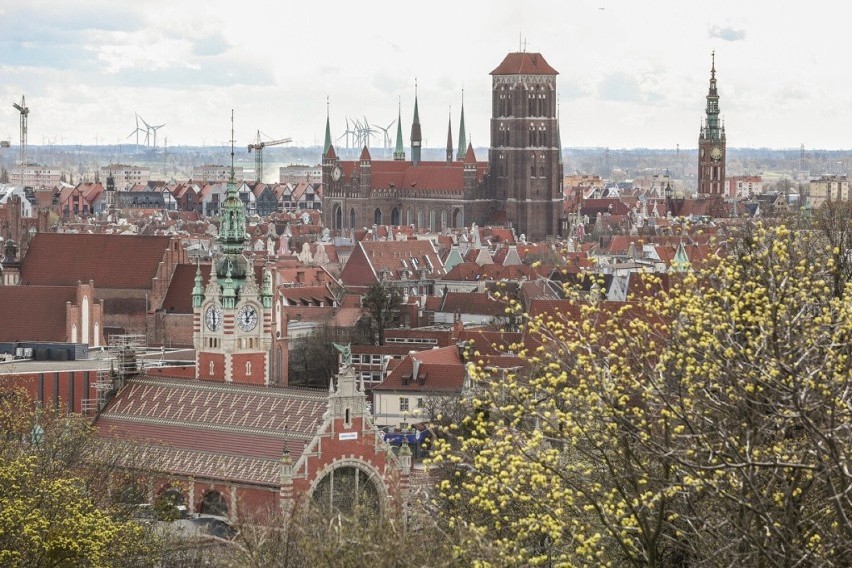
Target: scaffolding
(125, 352)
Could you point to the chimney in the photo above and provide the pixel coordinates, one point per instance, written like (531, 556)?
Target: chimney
(416, 370)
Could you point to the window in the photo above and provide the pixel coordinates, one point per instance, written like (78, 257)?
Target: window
(420, 403)
(403, 404)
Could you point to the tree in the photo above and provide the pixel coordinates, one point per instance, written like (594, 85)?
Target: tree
(381, 304)
(54, 510)
(709, 425)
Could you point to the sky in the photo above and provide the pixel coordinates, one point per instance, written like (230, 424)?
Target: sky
(632, 74)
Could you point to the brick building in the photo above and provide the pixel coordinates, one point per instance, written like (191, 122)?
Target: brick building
(520, 184)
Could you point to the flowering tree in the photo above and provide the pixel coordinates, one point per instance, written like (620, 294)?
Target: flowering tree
(708, 425)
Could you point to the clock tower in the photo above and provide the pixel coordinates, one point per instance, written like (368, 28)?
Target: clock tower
(232, 313)
(711, 143)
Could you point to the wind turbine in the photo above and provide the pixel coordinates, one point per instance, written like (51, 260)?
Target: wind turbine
(346, 133)
(155, 128)
(147, 131)
(387, 141)
(137, 131)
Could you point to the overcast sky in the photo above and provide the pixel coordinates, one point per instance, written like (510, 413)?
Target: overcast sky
(631, 73)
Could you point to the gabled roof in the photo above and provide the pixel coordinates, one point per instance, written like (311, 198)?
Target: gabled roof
(213, 430)
(112, 261)
(34, 313)
(439, 369)
(476, 303)
(370, 259)
(523, 63)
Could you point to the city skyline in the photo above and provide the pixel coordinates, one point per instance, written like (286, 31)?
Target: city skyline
(631, 75)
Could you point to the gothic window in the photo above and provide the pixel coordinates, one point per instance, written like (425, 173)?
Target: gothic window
(532, 135)
(532, 166)
(377, 216)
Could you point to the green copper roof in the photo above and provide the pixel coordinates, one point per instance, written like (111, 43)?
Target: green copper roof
(399, 151)
(327, 136)
(462, 136)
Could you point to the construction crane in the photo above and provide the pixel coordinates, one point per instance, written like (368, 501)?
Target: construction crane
(258, 147)
(25, 111)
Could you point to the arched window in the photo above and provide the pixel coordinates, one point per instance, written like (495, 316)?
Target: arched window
(346, 489)
(85, 319)
(396, 216)
(338, 217)
(214, 504)
(377, 216)
(458, 218)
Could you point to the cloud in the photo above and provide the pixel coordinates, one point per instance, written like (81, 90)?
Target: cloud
(214, 44)
(726, 33)
(620, 87)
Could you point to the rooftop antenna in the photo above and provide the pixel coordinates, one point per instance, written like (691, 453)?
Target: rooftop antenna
(232, 145)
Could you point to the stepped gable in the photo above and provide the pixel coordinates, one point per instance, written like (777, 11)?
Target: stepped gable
(111, 261)
(34, 313)
(213, 430)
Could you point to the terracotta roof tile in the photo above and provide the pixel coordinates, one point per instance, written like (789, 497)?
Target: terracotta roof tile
(440, 369)
(34, 313)
(522, 63)
(212, 430)
(112, 261)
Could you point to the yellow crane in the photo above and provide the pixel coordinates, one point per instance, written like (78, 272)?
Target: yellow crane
(258, 147)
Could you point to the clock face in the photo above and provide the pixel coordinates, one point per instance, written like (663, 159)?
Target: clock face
(716, 153)
(335, 173)
(247, 318)
(213, 318)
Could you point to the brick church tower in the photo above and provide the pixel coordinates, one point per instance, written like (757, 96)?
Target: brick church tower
(711, 143)
(525, 160)
(233, 315)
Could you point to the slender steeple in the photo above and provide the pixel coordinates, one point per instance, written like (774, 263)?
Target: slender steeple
(712, 129)
(416, 136)
(327, 130)
(462, 139)
(450, 137)
(399, 151)
(232, 227)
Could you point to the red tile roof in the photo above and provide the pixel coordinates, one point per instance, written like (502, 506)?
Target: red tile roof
(112, 261)
(524, 64)
(440, 369)
(34, 313)
(212, 430)
(479, 303)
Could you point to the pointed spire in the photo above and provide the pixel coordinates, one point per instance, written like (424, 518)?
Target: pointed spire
(327, 129)
(450, 136)
(198, 289)
(232, 180)
(416, 136)
(399, 151)
(462, 139)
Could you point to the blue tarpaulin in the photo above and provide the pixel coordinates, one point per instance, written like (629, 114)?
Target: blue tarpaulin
(396, 438)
